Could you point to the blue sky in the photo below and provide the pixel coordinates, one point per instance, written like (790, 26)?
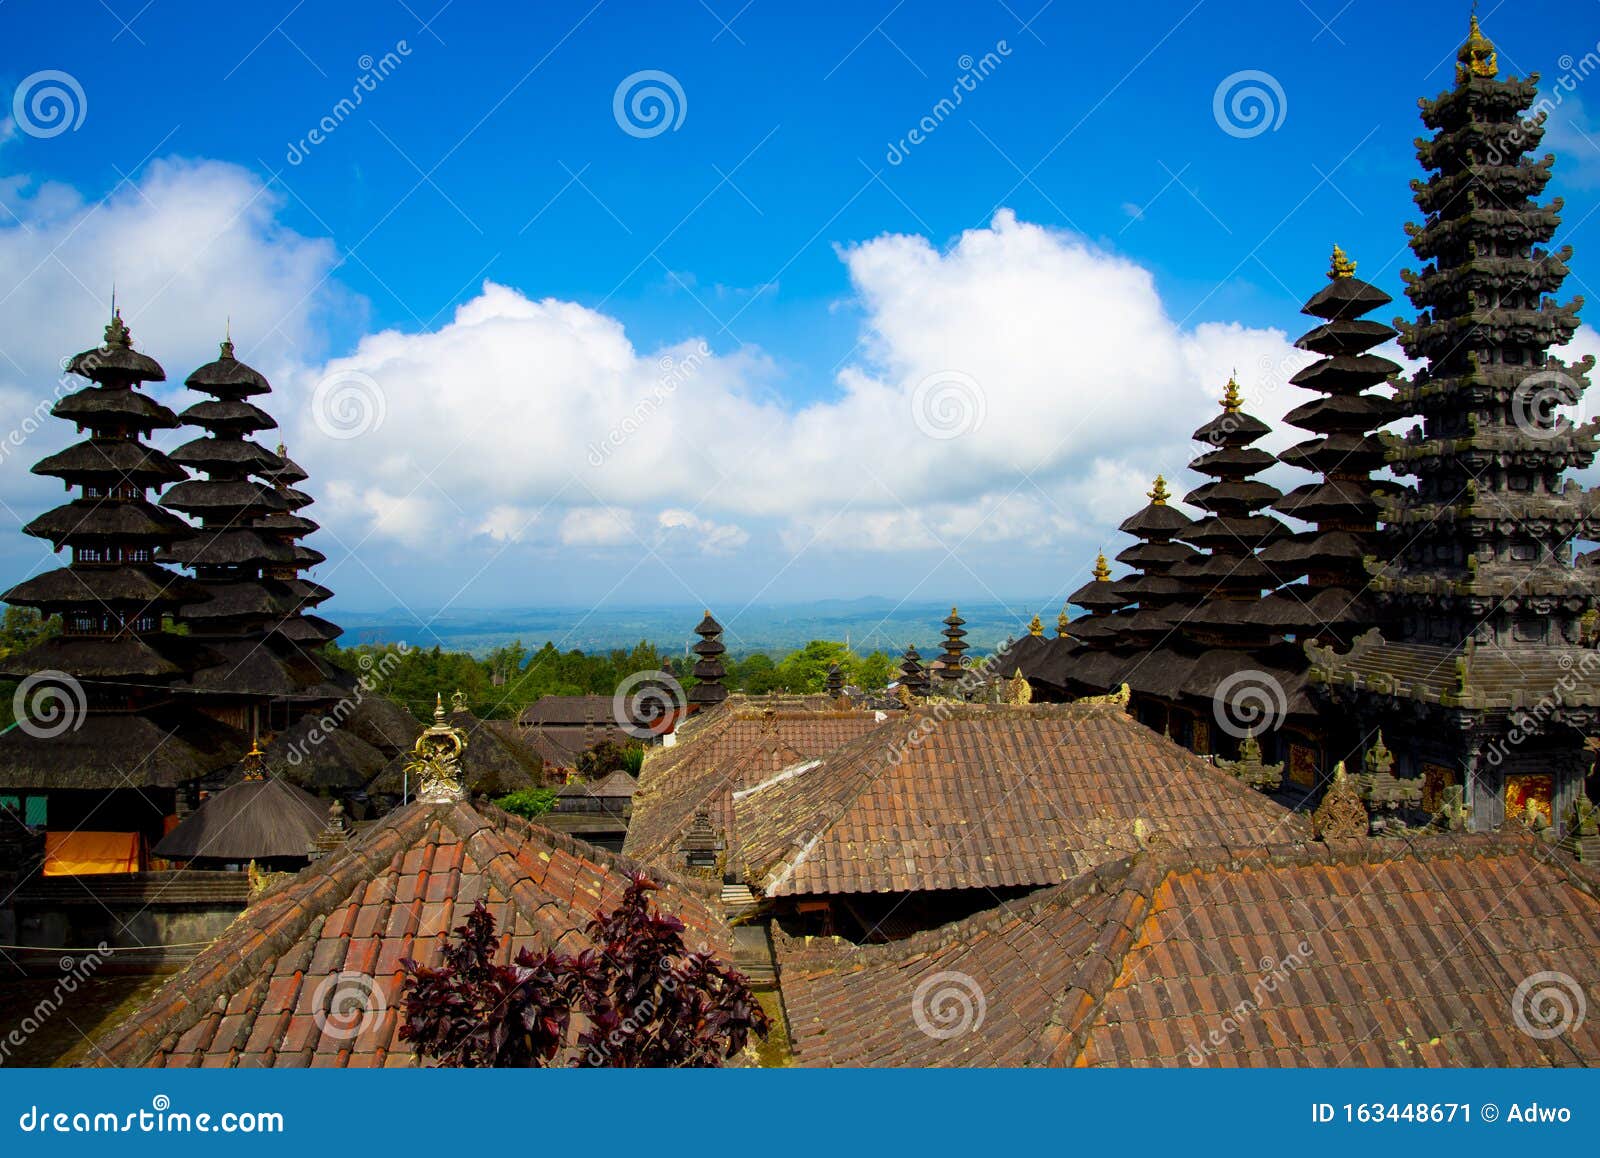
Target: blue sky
(491, 151)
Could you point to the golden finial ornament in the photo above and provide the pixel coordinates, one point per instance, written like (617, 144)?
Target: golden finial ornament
(1231, 402)
(436, 759)
(255, 762)
(1018, 690)
(117, 332)
(1341, 266)
(1158, 494)
(1061, 624)
(1477, 55)
(1036, 627)
(1102, 571)
(458, 701)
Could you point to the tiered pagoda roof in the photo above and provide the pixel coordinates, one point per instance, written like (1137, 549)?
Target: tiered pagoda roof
(246, 565)
(1343, 505)
(955, 643)
(913, 676)
(290, 526)
(112, 597)
(1484, 585)
(708, 670)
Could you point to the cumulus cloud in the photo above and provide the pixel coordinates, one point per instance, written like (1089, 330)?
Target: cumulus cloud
(1018, 384)
(1014, 390)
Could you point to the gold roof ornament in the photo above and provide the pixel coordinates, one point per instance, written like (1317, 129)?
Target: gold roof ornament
(1158, 494)
(1018, 690)
(1231, 402)
(1061, 624)
(458, 701)
(117, 331)
(1102, 570)
(1036, 627)
(1341, 266)
(255, 763)
(436, 760)
(1477, 55)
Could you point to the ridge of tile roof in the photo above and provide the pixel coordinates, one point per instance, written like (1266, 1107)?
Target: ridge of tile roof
(927, 802)
(260, 994)
(1146, 959)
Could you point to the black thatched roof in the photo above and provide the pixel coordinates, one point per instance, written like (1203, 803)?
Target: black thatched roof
(127, 657)
(1345, 337)
(106, 518)
(242, 598)
(116, 363)
(321, 754)
(127, 584)
(158, 748)
(106, 406)
(1345, 298)
(228, 414)
(381, 722)
(228, 452)
(308, 630)
(113, 458)
(233, 546)
(269, 666)
(213, 497)
(228, 376)
(253, 820)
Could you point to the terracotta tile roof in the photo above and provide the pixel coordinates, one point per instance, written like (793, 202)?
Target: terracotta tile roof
(568, 710)
(741, 740)
(964, 797)
(1362, 953)
(260, 995)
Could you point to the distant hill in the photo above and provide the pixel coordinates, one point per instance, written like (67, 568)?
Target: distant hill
(869, 623)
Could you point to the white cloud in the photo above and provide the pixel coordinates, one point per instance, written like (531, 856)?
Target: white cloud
(598, 527)
(536, 424)
(1084, 385)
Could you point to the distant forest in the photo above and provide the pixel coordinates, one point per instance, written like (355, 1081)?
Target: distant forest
(508, 679)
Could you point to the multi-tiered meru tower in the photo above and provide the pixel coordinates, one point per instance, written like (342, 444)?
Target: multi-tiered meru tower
(1486, 676)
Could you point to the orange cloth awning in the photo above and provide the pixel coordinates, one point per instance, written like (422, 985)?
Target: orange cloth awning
(71, 854)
